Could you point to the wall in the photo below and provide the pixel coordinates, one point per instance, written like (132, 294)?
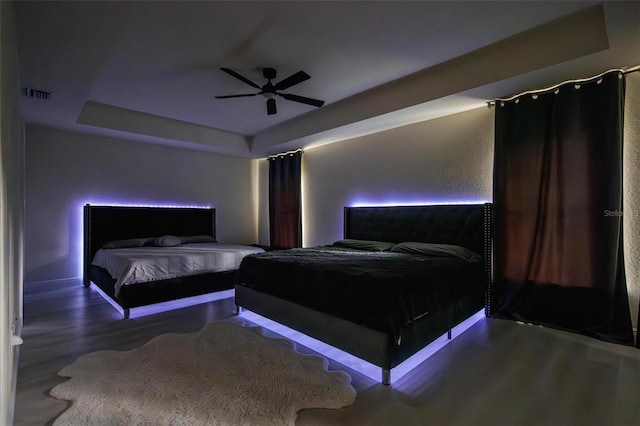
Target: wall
(631, 206)
(263, 201)
(11, 210)
(66, 170)
(448, 159)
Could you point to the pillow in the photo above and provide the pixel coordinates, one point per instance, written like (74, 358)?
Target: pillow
(167, 241)
(132, 242)
(364, 245)
(185, 239)
(438, 250)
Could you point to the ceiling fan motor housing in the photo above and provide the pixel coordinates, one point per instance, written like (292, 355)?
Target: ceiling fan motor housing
(269, 73)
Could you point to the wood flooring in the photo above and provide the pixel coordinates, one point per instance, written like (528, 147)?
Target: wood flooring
(496, 373)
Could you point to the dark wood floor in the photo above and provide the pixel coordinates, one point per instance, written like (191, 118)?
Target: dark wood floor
(496, 373)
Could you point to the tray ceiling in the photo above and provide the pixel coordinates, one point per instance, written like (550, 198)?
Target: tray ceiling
(149, 71)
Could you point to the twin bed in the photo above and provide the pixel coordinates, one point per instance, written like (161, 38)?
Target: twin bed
(400, 278)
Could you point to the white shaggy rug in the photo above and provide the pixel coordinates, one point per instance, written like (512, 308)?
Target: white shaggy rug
(225, 374)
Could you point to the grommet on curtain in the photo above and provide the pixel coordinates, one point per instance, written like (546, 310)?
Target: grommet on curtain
(284, 154)
(577, 84)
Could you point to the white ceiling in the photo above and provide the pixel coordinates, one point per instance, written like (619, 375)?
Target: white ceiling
(149, 71)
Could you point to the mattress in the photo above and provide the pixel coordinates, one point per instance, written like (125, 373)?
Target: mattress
(129, 266)
(383, 291)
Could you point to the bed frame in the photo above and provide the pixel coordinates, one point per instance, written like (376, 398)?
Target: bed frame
(107, 223)
(464, 225)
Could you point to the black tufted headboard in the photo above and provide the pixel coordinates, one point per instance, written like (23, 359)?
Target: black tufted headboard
(107, 223)
(466, 225)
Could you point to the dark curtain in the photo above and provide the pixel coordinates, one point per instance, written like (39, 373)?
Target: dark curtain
(285, 200)
(558, 210)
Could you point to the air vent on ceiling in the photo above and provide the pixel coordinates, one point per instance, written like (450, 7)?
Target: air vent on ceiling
(30, 92)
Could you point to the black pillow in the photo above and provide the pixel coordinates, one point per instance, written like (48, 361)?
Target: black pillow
(438, 250)
(367, 245)
(132, 242)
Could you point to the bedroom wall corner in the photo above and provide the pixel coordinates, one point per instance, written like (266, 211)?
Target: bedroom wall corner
(11, 211)
(263, 201)
(65, 170)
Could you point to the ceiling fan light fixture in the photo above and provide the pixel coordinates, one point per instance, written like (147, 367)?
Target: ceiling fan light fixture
(271, 107)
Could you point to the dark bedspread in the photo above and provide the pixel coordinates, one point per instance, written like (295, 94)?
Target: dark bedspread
(380, 290)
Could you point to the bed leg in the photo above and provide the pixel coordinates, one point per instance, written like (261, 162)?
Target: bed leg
(386, 377)
(238, 309)
(449, 334)
(126, 313)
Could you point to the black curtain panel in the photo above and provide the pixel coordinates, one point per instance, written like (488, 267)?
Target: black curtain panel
(285, 200)
(558, 209)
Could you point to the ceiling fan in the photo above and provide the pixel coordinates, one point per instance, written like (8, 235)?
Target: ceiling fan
(270, 90)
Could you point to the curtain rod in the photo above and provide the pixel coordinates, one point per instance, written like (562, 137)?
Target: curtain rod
(284, 154)
(580, 80)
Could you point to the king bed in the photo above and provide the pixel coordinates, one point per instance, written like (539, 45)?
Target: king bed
(400, 278)
(139, 256)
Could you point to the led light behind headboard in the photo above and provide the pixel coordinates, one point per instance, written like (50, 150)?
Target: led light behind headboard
(397, 203)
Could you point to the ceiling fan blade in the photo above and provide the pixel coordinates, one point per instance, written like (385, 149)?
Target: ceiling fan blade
(271, 106)
(236, 96)
(239, 77)
(292, 80)
(302, 99)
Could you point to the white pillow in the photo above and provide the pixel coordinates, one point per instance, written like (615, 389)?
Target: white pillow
(167, 241)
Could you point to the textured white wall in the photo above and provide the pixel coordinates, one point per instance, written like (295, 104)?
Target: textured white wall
(65, 170)
(443, 160)
(631, 206)
(263, 202)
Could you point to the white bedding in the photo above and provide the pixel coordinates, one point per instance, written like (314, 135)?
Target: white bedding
(142, 264)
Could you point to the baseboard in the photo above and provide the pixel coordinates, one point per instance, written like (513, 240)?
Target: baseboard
(51, 281)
